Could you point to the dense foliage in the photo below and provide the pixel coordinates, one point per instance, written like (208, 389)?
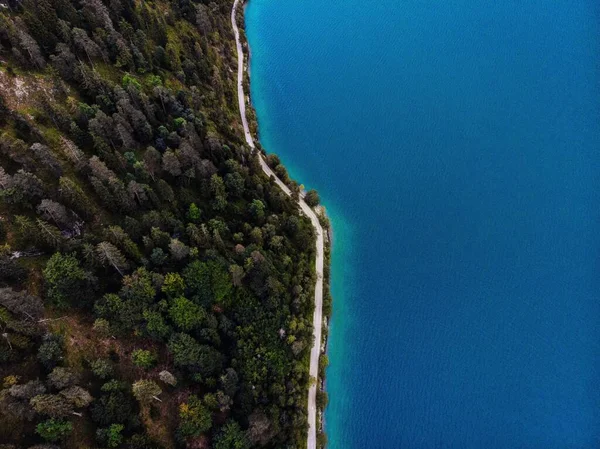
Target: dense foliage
(155, 286)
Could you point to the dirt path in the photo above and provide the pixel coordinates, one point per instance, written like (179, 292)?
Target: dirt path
(318, 313)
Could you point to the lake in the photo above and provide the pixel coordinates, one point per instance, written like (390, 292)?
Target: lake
(456, 145)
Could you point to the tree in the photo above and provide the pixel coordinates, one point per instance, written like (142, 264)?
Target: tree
(108, 254)
(27, 187)
(53, 405)
(64, 62)
(260, 430)
(49, 234)
(61, 378)
(224, 402)
(229, 382)
(114, 405)
(65, 280)
(77, 396)
(235, 183)
(185, 314)
(173, 285)
(4, 111)
(31, 48)
(143, 358)
(237, 274)
(102, 368)
(51, 350)
(312, 198)
(6, 179)
(178, 249)
(167, 378)
(146, 390)
(28, 390)
(322, 399)
(53, 430)
(217, 188)
(231, 436)
(21, 303)
(188, 353)
(73, 152)
(84, 44)
(101, 327)
(207, 282)
(96, 166)
(46, 159)
(171, 164)
(194, 418)
(257, 209)
(111, 436)
(74, 196)
(138, 287)
(56, 212)
(203, 19)
(194, 213)
(156, 326)
(158, 257)
(152, 162)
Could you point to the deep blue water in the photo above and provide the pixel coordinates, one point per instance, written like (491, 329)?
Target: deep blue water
(457, 145)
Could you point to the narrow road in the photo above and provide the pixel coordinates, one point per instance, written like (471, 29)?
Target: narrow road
(318, 313)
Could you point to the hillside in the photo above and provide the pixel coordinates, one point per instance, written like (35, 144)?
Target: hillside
(155, 286)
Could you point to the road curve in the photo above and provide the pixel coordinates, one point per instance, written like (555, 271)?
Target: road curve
(318, 313)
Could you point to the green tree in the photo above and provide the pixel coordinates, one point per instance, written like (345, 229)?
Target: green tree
(194, 418)
(143, 358)
(207, 282)
(312, 198)
(111, 436)
(53, 430)
(185, 314)
(51, 350)
(217, 187)
(65, 280)
(257, 209)
(194, 213)
(156, 326)
(188, 353)
(102, 368)
(231, 436)
(173, 285)
(115, 405)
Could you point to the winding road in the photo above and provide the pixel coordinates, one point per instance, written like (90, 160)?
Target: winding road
(318, 313)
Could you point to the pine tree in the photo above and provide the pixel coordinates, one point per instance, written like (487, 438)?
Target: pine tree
(108, 254)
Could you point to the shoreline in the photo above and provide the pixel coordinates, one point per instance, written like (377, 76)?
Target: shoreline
(323, 251)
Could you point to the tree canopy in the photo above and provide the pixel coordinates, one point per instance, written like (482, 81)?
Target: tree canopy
(162, 293)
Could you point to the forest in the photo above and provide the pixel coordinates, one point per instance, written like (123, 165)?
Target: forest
(155, 286)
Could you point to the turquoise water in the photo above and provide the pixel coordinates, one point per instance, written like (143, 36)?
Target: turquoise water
(457, 145)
